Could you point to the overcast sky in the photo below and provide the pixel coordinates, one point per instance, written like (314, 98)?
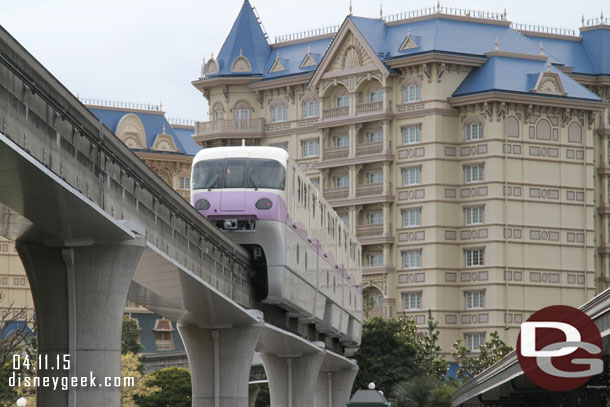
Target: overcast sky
(148, 51)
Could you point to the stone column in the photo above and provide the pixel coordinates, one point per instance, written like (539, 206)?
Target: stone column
(387, 145)
(353, 181)
(292, 380)
(386, 219)
(604, 149)
(387, 187)
(79, 294)
(334, 388)
(220, 361)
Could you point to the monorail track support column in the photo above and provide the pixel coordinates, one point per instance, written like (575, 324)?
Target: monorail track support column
(79, 290)
(334, 387)
(292, 379)
(220, 361)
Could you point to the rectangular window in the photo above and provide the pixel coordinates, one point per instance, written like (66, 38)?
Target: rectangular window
(342, 101)
(473, 173)
(411, 176)
(411, 217)
(473, 131)
(375, 218)
(475, 299)
(279, 113)
(315, 182)
(474, 216)
(376, 259)
(342, 181)
(474, 257)
(376, 96)
(310, 148)
(374, 136)
(341, 141)
(473, 341)
(218, 114)
(185, 183)
(411, 93)
(345, 220)
(311, 108)
(375, 177)
(411, 134)
(376, 301)
(242, 114)
(411, 259)
(411, 301)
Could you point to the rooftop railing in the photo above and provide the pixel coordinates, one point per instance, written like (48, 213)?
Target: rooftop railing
(181, 122)
(595, 21)
(544, 29)
(455, 11)
(306, 34)
(121, 105)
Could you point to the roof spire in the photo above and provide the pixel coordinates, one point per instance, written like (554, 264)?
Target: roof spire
(438, 6)
(583, 20)
(602, 17)
(541, 48)
(350, 7)
(381, 10)
(203, 67)
(163, 129)
(505, 13)
(241, 51)
(496, 47)
(309, 50)
(212, 57)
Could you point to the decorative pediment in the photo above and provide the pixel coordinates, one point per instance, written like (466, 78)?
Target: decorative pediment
(164, 142)
(241, 64)
(550, 83)
(351, 54)
(211, 67)
(131, 131)
(308, 60)
(277, 64)
(409, 42)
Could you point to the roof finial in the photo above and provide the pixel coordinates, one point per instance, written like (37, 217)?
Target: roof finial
(350, 7)
(541, 48)
(381, 10)
(602, 17)
(583, 20)
(163, 129)
(409, 33)
(212, 57)
(548, 65)
(438, 6)
(496, 47)
(203, 67)
(277, 55)
(309, 50)
(505, 13)
(241, 52)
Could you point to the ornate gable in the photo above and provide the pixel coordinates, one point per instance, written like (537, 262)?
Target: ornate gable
(308, 60)
(550, 83)
(277, 64)
(241, 64)
(408, 43)
(164, 142)
(350, 55)
(131, 131)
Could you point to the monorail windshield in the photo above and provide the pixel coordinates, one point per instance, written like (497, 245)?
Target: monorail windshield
(239, 172)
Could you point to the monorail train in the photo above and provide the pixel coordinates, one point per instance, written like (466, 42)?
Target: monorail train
(307, 259)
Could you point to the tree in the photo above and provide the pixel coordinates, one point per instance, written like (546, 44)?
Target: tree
(16, 339)
(472, 363)
(130, 336)
(424, 391)
(387, 354)
(175, 385)
(131, 366)
(428, 356)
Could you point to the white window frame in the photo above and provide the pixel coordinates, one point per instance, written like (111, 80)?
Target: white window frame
(475, 257)
(341, 141)
(185, 182)
(345, 220)
(473, 131)
(375, 218)
(411, 301)
(375, 177)
(375, 136)
(411, 259)
(342, 101)
(376, 259)
(315, 182)
(411, 134)
(474, 299)
(341, 181)
(411, 217)
(474, 215)
(376, 96)
(311, 148)
(411, 93)
(411, 176)
(474, 340)
(279, 113)
(241, 114)
(218, 114)
(473, 173)
(311, 108)
(376, 301)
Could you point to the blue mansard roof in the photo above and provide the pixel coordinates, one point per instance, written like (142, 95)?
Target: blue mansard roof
(516, 75)
(153, 126)
(292, 56)
(570, 53)
(596, 43)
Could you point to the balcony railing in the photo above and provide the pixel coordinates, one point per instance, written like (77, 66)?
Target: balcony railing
(369, 189)
(229, 127)
(336, 153)
(163, 344)
(369, 230)
(336, 113)
(369, 148)
(336, 193)
(368, 108)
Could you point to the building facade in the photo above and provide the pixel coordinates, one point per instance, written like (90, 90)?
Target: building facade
(469, 154)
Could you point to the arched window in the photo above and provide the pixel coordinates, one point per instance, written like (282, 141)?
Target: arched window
(311, 106)
(218, 111)
(411, 90)
(575, 133)
(241, 110)
(279, 111)
(543, 130)
(512, 127)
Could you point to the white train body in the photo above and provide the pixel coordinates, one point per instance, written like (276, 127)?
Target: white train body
(260, 196)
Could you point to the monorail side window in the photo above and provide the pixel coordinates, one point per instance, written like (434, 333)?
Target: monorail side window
(207, 174)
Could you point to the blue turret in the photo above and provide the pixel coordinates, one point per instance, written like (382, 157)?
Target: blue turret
(246, 48)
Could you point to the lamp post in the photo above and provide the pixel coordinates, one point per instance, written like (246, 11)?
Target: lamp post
(21, 402)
